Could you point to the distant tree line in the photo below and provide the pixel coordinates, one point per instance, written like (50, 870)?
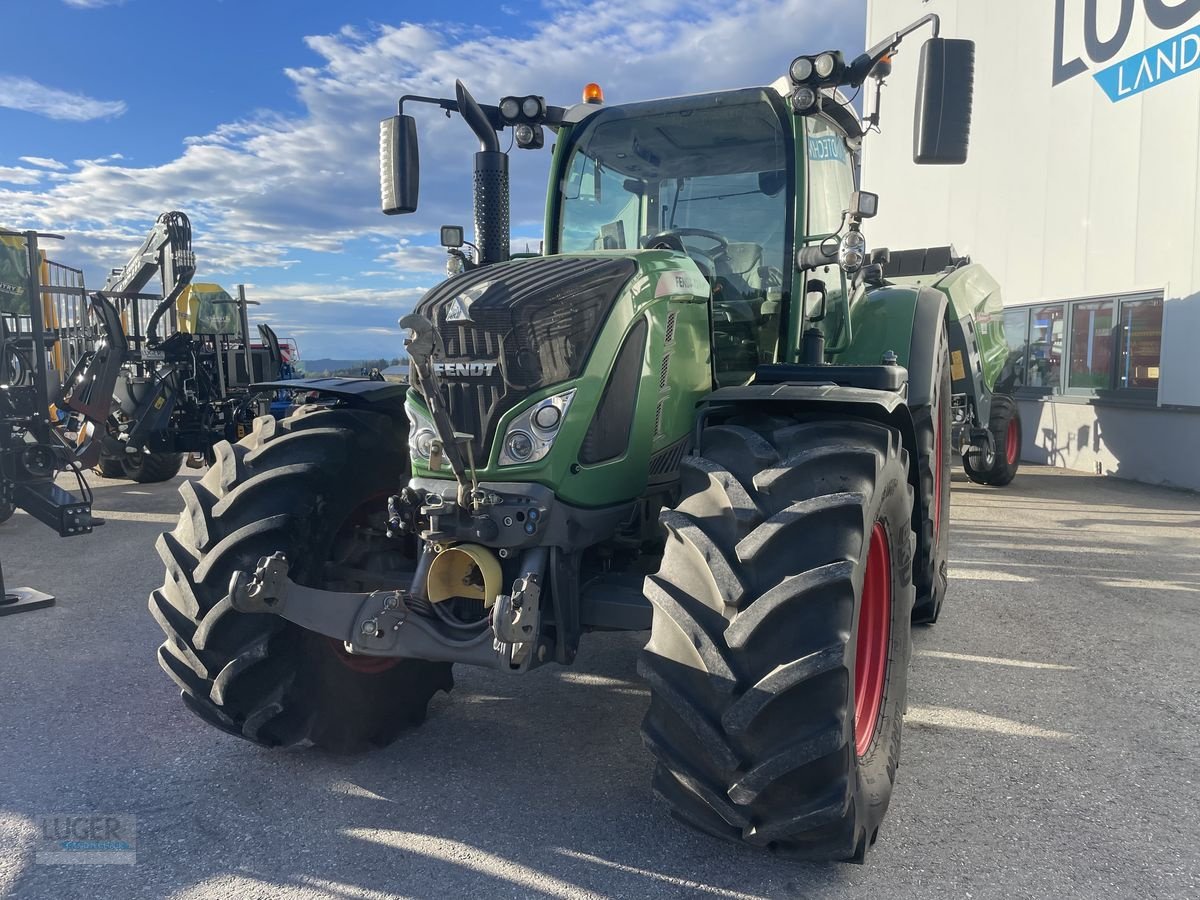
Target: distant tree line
(357, 369)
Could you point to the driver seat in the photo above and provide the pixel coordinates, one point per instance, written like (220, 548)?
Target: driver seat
(744, 261)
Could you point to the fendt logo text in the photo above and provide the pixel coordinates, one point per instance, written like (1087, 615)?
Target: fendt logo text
(1104, 40)
(465, 369)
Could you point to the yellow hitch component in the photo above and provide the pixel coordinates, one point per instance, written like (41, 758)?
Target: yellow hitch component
(459, 570)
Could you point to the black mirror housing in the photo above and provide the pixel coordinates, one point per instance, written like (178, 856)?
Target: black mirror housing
(399, 165)
(452, 236)
(945, 86)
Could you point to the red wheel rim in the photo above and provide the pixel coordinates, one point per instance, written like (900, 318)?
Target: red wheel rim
(939, 472)
(1012, 443)
(874, 633)
(359, 662)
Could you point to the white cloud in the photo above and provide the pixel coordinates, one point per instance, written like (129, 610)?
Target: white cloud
(266, 189)
(20, 175)
(93, 4)
(44, 163)
(17, 92)
(410, 259)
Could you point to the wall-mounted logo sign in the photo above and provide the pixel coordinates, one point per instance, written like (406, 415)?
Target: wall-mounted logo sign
(1162, 62)
(1102, 43)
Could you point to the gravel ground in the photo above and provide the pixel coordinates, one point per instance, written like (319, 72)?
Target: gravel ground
(1050, 748)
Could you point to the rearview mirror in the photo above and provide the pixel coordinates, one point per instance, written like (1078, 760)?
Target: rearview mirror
(399, 165)
(945, 86)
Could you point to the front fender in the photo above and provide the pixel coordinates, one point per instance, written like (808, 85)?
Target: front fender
(904, 320)
(886, 407)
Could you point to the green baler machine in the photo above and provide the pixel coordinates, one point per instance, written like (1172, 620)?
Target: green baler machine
(987, 423)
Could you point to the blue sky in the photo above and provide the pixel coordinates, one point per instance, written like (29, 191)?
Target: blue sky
(259, 118)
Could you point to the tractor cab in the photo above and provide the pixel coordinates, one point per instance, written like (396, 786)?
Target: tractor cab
(709, 176)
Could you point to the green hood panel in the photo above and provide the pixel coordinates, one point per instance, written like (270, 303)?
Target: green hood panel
(667, 292)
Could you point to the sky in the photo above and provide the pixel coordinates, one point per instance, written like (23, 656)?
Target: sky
(260, 120)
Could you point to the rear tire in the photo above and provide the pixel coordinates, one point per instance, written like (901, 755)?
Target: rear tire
(998, 467)
(932, 512)
(145, 467)
(756, 644)
(290, 486)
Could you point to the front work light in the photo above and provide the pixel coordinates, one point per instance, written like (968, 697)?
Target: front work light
(823, 70)
(533, 108)
(826, 65)
(510, 109)
(801, 69)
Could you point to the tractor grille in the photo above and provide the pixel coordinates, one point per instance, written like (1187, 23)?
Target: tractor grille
(536, 318)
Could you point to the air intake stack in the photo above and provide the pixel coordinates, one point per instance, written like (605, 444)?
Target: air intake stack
(491, 182)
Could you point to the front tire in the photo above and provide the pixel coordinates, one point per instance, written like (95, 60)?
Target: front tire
(998, 466)
(298, 486)
(778, 656)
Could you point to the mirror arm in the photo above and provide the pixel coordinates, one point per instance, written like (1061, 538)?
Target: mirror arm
(491, 114)
(447, 105)
(858, 70)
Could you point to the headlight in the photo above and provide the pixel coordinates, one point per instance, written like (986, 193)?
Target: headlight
(518, 446)
(531, 434)
(421, 433)
(852, 252)
(804, 99)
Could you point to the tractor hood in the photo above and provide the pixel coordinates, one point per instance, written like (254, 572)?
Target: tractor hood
(511, 329)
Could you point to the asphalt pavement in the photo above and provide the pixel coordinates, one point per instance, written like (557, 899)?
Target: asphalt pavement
(1050, 750)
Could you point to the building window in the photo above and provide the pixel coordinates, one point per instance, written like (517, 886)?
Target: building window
(1140, 337)
(1091, 345)
(1047, 330)
(1016, 335)
(1109, 342)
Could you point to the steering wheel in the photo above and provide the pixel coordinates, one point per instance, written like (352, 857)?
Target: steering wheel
(672, 239)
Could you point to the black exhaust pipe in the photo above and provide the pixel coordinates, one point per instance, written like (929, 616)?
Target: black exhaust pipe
(491, 182)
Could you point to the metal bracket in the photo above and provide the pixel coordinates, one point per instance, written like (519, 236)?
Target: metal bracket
(379, 623)
(516, 622)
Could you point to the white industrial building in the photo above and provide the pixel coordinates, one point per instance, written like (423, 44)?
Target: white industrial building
(1081, 197)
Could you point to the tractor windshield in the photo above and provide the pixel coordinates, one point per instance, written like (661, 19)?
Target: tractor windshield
(707, 176)
(716, 164)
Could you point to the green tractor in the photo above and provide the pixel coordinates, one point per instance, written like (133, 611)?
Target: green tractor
(981, 376)
(701, 413)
